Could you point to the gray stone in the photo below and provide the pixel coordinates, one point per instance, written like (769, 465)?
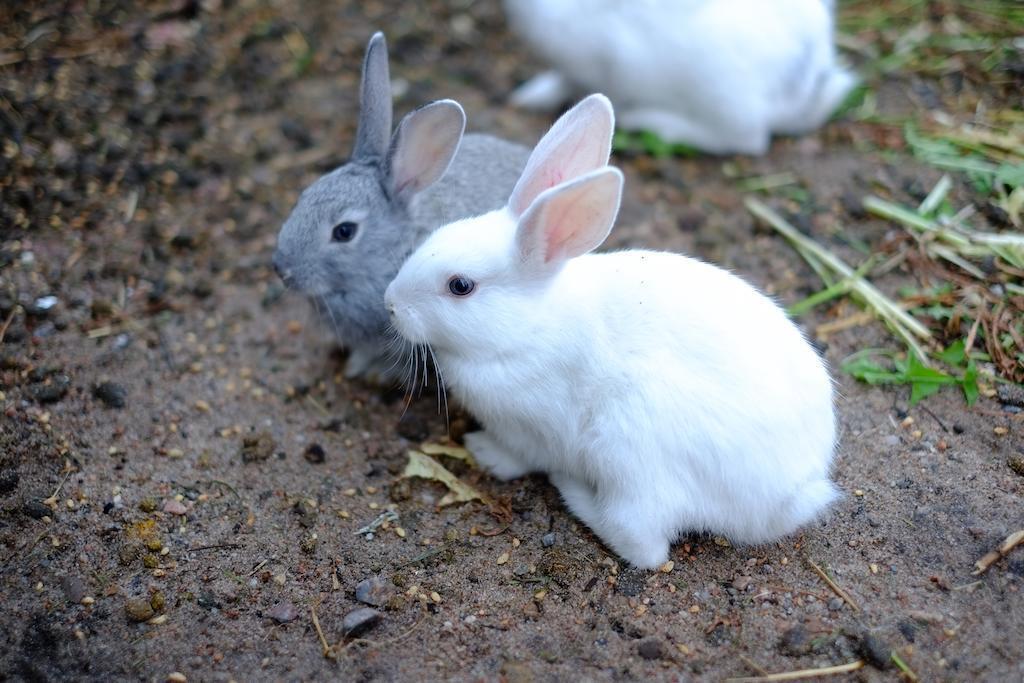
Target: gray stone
(650, 648)
(283, 612)
(359, 621)
(373, 591)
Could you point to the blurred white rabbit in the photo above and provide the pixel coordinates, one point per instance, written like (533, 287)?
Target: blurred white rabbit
(720, 75)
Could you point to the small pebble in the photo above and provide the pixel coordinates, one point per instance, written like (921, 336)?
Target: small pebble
(1016, 463)
(876, 651)
(373, 591)
(740, 583)
(74, 589)
(45, 303)
(359, 621)
(308, 511)
(548, 540)
(50, 391)
(112, 394)
(795, 642)
(283, 612)
(650, 648)
(35, 509)
(315, 454)
(9, 479)
(257, 447)
(175, 507)
(138, 609)
(308, 543)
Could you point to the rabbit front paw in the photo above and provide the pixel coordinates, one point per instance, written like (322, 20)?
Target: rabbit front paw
(493, 457)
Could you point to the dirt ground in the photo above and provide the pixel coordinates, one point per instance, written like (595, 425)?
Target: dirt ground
(183, 471)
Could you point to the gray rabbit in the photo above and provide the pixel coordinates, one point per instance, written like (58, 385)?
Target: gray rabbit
(353, 228)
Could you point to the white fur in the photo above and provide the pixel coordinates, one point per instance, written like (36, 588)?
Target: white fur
(659, 393)
(721, 75)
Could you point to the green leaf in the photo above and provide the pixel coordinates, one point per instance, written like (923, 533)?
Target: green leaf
(1011, 175)
(920, 390)
(969, 383)
(924, 381)
(954, 354)
(867, 370)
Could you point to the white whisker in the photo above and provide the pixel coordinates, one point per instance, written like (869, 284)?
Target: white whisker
(442, 390)
(334, 323)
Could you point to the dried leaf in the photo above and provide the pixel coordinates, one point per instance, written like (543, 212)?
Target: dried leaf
(423, 466)
(457, 452)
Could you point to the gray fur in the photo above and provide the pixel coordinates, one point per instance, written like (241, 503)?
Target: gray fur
(346, 281)
(374, 128)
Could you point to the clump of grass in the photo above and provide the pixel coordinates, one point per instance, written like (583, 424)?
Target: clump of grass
(974, 320)
(646, 142)
(842, 279)
(982, 301)
(991, 158)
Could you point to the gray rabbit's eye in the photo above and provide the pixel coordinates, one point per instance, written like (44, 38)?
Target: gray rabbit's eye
(460, 286)
(344, 231)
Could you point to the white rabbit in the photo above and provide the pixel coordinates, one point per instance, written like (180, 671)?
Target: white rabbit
(721, 75)
(660, 394)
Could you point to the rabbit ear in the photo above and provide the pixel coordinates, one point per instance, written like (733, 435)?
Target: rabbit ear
(374, 128)
(578, 142)
(570, 219)
(423, 147)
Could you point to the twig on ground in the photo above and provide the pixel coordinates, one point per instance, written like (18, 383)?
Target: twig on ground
(316, 404)
(324, 647)
(833, 585)
(7, 323)
(259, 566)
(761, 671)
(51, 502)
(855, 320)
(801, 673)
(1011, 542)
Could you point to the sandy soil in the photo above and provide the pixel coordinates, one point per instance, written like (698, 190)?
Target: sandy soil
(150, 156)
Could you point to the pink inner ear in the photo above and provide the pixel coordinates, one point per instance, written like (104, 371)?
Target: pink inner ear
(578, 142)
(561, 222)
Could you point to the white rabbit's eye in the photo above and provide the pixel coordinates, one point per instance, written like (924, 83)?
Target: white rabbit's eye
(344, 231)
(460, 286)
